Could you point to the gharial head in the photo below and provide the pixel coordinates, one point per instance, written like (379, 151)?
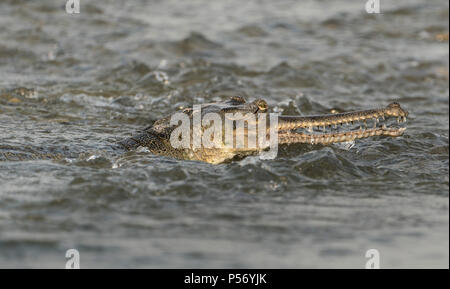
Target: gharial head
(327, 128)
(323, 129)
(290, 129)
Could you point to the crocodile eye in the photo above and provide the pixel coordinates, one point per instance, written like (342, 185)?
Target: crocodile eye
(262, 105)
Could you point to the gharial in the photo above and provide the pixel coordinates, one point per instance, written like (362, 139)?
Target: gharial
(316, 129)
(290, 129)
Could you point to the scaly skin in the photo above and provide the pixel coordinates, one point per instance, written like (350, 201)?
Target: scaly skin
(157, 137)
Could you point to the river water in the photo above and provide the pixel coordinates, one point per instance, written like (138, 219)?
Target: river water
(74, 84)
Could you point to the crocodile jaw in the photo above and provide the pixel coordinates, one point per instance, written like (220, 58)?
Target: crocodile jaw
(289, 126)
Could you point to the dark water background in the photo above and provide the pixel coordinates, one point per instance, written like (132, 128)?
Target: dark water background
(72, 84)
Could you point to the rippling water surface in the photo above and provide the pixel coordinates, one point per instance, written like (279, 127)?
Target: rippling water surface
(70, 85)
